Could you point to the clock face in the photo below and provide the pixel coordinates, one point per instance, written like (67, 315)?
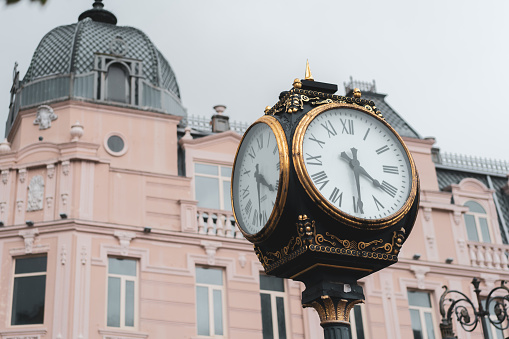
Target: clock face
(260, 164)
(353, 164)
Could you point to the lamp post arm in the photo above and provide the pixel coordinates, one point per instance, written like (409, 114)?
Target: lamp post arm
(460, 307)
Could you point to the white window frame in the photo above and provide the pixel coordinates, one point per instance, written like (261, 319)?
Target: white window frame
(273, 310)
(123, 279)
(210, 293)
(22, 275)
(220, 178)
(476, 216)
(353, 323)
(422, 310)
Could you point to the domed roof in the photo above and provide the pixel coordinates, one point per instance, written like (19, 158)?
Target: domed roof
(71, 49)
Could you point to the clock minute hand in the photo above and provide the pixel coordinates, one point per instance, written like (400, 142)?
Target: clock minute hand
(257, 178)
(359, 200)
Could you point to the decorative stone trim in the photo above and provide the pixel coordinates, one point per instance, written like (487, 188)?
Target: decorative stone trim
(420, 274)
(32, 333)
(29, 237)
(45, 115)
(112, 334)
(211, 249)
(124, 238)
(5, 176)
(35, 194)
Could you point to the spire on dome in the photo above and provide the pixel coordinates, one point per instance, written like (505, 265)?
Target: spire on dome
(99, 14)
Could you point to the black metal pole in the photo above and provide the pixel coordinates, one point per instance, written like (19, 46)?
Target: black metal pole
(482, 313)
(336, 331)
(333, 302)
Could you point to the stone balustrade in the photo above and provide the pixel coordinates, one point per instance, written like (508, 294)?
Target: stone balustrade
(488, 255)
(217, 223)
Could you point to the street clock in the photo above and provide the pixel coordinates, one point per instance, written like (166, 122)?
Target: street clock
(327, 192)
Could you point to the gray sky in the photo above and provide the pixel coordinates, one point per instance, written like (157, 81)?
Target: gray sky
(443, 64)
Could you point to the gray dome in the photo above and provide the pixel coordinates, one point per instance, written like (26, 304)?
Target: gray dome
(71, 49)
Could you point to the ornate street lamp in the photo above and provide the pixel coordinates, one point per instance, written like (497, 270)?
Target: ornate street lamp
(496, 304)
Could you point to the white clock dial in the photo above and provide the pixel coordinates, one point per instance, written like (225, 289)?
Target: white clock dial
(256, 175)
(356, 163)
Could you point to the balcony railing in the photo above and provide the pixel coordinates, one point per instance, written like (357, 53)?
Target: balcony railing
(217, 223)
(485, 255)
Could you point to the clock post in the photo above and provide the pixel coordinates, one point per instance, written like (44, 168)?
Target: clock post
(327, 192)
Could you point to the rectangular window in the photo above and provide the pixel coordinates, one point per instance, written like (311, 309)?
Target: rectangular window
(212, 186)
(493, 332)
(209, 301)
(421, 315)
(272, 297)
(357, 322)
(29, 291)
(122, 292)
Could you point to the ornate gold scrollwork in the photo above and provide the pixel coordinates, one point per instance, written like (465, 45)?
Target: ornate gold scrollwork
(294, 103)
(308, 239)
(398, 237)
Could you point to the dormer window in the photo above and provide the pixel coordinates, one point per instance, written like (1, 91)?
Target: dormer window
(117, 80)
(476, 221)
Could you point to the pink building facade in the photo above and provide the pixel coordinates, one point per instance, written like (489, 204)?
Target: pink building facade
(117, 224)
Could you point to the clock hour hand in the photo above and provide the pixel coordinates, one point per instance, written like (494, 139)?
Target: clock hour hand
(260, 179)
(376, 183)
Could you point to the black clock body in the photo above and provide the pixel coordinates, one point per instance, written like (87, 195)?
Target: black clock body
(314, 244)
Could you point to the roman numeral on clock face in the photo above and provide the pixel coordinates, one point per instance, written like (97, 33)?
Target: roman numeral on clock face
(251, 152)
(389, 189)
(245, 193)
(320, 178)
(347, 126)
(335, 196)
(320, 142)
(382, 149)
(260, 142)
(331, 130)
(391, 169)
(248, 207)
(314, 160)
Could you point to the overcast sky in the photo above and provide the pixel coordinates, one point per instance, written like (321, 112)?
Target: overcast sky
(443, 64)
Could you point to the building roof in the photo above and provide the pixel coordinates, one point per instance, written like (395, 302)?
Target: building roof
(71, 49)
(369, 92)
(449, 175)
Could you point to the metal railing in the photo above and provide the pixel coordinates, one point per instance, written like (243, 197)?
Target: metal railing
(362, 85)
(473, 163)
(202, 123)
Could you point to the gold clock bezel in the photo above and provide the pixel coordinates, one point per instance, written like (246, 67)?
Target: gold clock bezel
(284, 176)
(320, 200)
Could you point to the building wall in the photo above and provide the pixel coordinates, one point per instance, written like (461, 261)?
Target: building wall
(108, 200)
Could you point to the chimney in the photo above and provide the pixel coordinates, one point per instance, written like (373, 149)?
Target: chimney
(220, 122)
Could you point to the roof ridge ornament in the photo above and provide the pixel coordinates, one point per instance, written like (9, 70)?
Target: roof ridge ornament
(99, 14)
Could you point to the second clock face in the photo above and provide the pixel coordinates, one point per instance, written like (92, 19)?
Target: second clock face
(356, 163)
(256, 178)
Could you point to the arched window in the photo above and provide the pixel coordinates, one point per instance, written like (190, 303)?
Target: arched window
(476, 221)
(117, 80)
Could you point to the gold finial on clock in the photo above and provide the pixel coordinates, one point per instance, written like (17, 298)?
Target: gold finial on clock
(308, 76)
(297, 83)
(357, 93)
